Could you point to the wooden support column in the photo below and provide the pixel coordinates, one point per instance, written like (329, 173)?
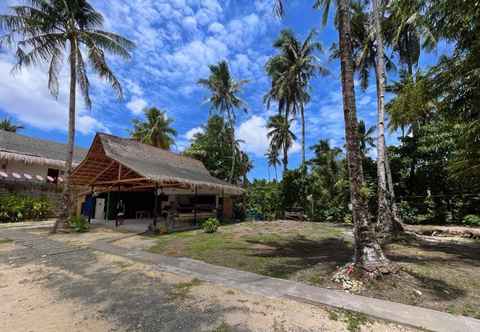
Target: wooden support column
(195, 205)
(155, 207)
(108, 207)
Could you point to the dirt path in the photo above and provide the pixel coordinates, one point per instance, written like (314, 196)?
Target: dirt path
(48, 285)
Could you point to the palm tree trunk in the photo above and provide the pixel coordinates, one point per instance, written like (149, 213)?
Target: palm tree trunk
(285, 145)
(397, 220)
(384, 216)
(67, 210)
(368, 253)
(232, 171)
(302, 114)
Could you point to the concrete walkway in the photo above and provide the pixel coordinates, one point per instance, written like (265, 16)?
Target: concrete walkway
(278, 288)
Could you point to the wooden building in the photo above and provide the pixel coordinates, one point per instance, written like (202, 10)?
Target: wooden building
(145, 182)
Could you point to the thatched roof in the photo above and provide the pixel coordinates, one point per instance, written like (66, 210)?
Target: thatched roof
(35, 151)
(113, 159)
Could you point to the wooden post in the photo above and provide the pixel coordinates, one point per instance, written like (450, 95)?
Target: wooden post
(92, 208)
(195, 205)
(108, 206)
(155, 208)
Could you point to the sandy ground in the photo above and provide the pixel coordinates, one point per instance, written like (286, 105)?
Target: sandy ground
(27, 306)
(91, 291)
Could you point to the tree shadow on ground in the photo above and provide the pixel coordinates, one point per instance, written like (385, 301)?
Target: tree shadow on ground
(437, 251)
(300, 253)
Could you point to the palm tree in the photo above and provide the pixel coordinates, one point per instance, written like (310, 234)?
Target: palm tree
(294, 68)
(43, 32)
(409, 30)
(224, 98)
(156, 130)
(272, 159)
(281, 137)
(368, 254)
(8, 125)
(365, 137)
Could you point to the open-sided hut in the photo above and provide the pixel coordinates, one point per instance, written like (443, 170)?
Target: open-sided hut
(147, 183)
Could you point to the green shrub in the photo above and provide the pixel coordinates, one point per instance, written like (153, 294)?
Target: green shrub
(79, 224)
(408, 213)
(15, 208)
(471, 220)
(210, 225)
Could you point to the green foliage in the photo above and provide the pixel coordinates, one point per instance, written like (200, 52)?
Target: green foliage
(214, 148)
(8, 125)
(15, 208)
(210, 225)
(79, 224)
(263, 200)
(407, 213)
(471, 220)
(156, 130)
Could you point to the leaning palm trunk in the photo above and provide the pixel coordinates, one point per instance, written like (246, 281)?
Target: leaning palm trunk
(368, 253)
(67, 202)
(385, 217)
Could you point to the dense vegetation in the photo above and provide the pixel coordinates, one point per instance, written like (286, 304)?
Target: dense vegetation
(15, 208)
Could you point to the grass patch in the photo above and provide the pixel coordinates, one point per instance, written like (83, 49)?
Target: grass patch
(3, 241)
(180, 291)
(441, 276)
(224, 327)
(353, 320)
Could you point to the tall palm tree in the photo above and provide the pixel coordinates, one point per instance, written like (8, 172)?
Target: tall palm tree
(294, 68)
(47, 30)
(156, 130)
(281, 137)
(368, 254)
(8, 125)
(272, 159)
(224, 98)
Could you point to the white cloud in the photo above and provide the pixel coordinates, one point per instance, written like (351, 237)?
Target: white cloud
(192, 132)
(190, 23)
(253, 132)
(25, 96)
(216, 27)
(136, 105)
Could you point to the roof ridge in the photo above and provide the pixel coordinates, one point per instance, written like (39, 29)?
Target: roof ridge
(179, 155)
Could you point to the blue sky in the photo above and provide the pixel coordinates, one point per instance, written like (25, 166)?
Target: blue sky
(176, 41)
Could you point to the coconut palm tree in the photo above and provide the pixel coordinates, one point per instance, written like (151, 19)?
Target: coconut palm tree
(48, 31)
(295, 67)
(224, 98)
(272, 159)
(8, 125)
(156, 130)
(409, 31)
(281, 137)
(368, 254)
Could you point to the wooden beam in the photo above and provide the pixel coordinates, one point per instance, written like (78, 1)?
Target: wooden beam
(119, 171)
(122, 181)
(102, 172)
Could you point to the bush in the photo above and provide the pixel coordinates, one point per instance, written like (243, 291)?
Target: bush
(471, 220)
(16, 208)
(210, 225)
(79, 224)
(408, 214)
